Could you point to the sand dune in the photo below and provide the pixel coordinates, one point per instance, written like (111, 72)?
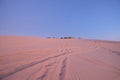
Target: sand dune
(28, 58)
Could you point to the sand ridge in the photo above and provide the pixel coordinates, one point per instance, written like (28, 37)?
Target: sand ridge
(28, 58)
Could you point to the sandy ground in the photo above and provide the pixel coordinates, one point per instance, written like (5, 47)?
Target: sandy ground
(28, 58)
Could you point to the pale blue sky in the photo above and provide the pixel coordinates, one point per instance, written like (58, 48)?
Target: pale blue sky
(95, 19)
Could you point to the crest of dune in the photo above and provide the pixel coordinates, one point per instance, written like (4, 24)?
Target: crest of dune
(30, 58)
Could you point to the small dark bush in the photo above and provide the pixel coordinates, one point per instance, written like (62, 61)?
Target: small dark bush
(66, 37)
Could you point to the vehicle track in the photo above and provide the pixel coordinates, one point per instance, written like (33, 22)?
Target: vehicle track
(29, 65)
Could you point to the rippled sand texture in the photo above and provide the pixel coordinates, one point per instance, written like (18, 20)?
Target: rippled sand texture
(28, 58)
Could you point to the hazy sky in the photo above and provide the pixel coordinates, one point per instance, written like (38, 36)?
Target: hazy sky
(96, 19)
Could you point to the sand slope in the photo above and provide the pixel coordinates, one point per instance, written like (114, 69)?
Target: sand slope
(27, 58)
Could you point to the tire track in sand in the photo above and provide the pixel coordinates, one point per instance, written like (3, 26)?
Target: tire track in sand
(25, 66)
(63, 69)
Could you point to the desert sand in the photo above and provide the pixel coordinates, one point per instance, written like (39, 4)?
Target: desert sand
(30, 58)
